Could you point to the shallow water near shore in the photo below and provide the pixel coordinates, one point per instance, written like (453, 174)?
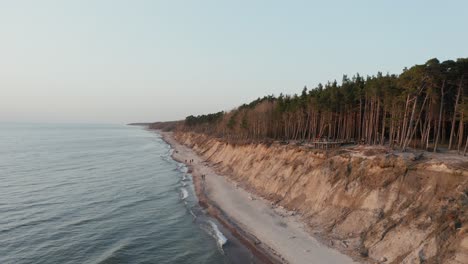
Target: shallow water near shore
(101, 194)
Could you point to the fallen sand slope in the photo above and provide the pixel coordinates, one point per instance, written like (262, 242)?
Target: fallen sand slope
(284, 234)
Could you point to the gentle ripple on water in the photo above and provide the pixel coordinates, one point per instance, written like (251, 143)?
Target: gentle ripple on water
(97, 194)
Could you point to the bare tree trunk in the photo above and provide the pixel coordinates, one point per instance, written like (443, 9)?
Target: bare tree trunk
(440, 116)
(460, 133)
(405, 118)
(360, 119)
(466, 146)
(427, 122)
(427, 137)
(382, 138)
(412, 130)
(410, 126)
(455, 113)
(376, 123)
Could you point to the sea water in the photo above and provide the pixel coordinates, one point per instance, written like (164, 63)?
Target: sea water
(101, 194)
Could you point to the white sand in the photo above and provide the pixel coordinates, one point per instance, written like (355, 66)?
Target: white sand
(285, 235)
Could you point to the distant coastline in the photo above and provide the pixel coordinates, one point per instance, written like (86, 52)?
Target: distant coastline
(139, 124)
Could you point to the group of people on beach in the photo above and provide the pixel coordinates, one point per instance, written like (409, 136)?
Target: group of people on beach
(203, 175)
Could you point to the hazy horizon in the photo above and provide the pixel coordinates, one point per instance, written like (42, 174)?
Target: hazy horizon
(141, 61)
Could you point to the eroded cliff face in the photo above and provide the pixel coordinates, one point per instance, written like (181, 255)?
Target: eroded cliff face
(385, 207)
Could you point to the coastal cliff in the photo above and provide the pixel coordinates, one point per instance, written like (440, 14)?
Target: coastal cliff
(368, 201)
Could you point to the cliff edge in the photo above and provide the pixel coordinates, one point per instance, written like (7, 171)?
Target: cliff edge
(369, 201)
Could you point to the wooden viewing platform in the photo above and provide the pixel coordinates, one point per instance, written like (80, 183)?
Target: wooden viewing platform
(327, 144)
(319, 144)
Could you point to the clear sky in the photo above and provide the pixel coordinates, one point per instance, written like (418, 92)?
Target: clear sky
(115, 61)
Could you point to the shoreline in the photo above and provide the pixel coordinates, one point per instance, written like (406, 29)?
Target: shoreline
(271, 236)
(250, 242)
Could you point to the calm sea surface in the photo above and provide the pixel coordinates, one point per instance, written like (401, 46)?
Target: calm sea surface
(101, 194)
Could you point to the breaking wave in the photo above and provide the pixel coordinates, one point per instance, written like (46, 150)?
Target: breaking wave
(220, 238)
(183, 193)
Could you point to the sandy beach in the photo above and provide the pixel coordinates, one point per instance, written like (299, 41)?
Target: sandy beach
(266, 229)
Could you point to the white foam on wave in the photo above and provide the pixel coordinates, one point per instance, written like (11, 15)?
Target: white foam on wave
(111, 252)
(168, 155)
(183, 193)
(182, 168)
(185, 177)
(220, 238)
(193, 214)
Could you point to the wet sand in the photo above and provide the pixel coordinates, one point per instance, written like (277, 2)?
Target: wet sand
(270, 233)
